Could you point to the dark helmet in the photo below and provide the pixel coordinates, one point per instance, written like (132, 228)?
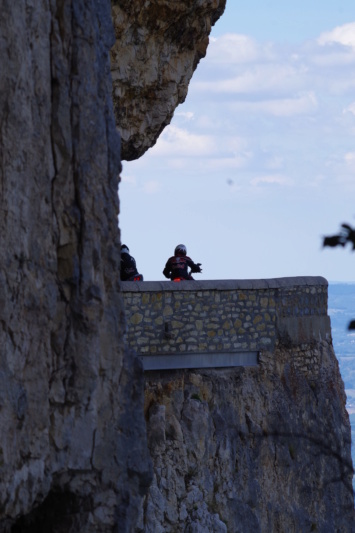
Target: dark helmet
(180, 250)
(124, 249)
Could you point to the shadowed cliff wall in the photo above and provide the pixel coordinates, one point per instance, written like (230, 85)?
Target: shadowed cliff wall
(73, 451)
(69, 421)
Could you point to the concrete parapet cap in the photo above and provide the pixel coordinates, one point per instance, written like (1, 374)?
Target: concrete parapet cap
(223, 284)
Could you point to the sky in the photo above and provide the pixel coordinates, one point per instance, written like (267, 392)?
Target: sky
(258, 163)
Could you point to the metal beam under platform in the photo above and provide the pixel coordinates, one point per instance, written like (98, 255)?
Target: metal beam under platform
(198, 360)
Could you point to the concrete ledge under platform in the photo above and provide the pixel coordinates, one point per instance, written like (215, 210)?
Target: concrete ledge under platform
(198, 360)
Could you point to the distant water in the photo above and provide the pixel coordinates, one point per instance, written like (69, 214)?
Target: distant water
(341, 309)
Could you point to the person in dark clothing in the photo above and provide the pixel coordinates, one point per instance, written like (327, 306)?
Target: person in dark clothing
(176, 267)
(129, 270)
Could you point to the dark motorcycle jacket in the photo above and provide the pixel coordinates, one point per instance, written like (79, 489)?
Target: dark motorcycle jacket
(177, 267)
(128, 267)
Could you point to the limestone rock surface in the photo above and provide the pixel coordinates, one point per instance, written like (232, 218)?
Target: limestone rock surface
(73, 455)
(250, 449)
(159, 44)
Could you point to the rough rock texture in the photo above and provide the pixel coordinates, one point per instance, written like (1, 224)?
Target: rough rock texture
(73, 445)
(73, 454)
(250, 449)
(158, 46)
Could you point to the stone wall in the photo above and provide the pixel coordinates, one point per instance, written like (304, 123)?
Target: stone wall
(225, 315)
(251, 448)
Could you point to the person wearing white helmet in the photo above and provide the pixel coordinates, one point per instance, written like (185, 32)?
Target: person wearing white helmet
(129, 270)
(177, 266)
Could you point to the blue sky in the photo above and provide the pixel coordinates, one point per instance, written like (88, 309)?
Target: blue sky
(259, 162)
(292, 22)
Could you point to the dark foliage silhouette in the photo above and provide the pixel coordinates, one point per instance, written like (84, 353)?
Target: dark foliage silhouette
(344, 237)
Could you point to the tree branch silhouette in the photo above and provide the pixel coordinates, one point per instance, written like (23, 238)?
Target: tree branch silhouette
(344, 237)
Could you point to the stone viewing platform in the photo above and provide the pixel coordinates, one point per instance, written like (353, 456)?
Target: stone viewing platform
(222, 323)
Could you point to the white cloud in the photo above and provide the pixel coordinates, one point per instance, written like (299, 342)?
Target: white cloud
(342, 85)
(285, 107)
(270, 78)
(187, 115)
(317, 181)
(264, 129)
(151, 187)
(336, 48)
(271, 180)
(128, 179)
(236, 145)
(274, 162)
(230, 123)
(222, 164)
(341, 172)
(333, 59)
(237, 65)
(350, 159)
(176, 140)
(142, 185)
(350, 109)
(344, 35)
(235, 48)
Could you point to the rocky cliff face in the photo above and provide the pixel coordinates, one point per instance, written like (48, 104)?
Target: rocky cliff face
(250, 449)
(242, 450)
(73, 454)
(158, 46)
